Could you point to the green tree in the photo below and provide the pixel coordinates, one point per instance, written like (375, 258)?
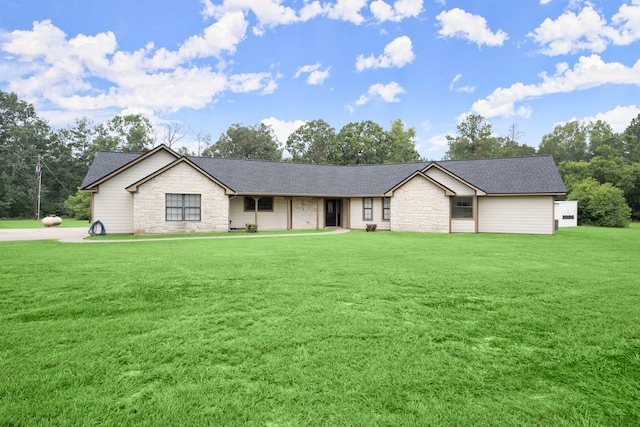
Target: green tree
(131, 132)
(401, 144)
(631, 140)
(23, 136)
(474, 140)
(603, 141)
(361, 143)
(600, 204)
(567, 142)
(78, 205)
(243, 142)
(313, 142)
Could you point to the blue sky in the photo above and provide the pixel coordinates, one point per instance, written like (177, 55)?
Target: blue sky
(210, 63)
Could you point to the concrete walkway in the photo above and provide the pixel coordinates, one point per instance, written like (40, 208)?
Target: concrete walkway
(77, 235)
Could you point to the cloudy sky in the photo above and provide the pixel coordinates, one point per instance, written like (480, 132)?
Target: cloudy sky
(210, 63)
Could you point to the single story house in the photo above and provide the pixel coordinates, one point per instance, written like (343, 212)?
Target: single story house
(159, 191)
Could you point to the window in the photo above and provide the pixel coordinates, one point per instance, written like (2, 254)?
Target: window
(367, 208)
(264, 204)
(386, 209)
(182, 207)
(462, 207)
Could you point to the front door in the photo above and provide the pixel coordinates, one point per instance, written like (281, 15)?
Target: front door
(332, 213)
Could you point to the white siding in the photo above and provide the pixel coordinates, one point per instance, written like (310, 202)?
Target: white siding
(516, 214)
(463, 226)
(275, 220)
(451, 183)
(356, 220)
(113, 204)
(420, 205)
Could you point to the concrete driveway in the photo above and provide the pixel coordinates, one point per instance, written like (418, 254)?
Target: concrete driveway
(45, 233)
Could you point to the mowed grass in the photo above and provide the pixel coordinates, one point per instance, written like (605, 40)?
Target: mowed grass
(351, 329)
(7, 224)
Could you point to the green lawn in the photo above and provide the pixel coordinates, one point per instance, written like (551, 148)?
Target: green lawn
(347, 329)
(32, 223)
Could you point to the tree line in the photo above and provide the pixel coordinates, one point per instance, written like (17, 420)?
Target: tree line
(591, 157)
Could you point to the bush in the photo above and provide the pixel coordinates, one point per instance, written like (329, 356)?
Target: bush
(251, 228)
(78, 205)
(600, 204)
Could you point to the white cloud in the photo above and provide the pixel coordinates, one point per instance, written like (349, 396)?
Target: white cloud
(438, 142)
(589, 72)
(283, 128)
(88, 74)
(588, 30)
(269, 13)
(618, 118)
(316, 75)
(458, 23)
(346, 10)
(627, 20)
(453, 88)
(545, 1)
(396, 54)
(388, 93)
(400, 10)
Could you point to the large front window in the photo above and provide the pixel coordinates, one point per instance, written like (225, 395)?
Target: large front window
(462, 207)
(182, 207)
(264, 204)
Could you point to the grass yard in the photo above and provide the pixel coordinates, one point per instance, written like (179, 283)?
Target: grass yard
(7, 224)
(350, 329)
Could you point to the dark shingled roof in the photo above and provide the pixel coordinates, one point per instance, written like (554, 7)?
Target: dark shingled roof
(510, 175)
(282, 178)
(106, 162)
(515, 175)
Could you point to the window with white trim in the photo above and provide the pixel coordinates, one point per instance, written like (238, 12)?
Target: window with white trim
(386, 208)
(182, 207)
(367, 208)
(462, 207)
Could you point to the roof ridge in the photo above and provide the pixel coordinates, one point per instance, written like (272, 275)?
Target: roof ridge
(496, 158)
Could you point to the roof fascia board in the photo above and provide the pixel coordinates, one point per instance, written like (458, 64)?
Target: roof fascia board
(479, 191)
(447, 190)
(524, 194)
(133, 188)
(133, 163)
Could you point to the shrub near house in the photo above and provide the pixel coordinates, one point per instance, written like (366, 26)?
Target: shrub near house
(600, 204)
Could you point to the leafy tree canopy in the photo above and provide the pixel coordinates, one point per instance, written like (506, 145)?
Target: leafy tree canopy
(313, 142)
(246, 142)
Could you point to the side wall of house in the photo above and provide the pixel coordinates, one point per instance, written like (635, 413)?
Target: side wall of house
(356, 218)
(113, 204)
(419, 205)
(516, 214)
(149, 203)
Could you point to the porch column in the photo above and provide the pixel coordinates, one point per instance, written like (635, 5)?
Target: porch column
(289, 212)
(256, 209)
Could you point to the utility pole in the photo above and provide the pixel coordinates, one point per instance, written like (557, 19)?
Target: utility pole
(38, 184)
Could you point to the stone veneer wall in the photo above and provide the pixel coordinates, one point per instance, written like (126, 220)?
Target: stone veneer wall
(305, 213)
(149, 203)
(420, 206)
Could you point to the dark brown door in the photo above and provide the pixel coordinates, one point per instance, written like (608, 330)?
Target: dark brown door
(332, 212)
